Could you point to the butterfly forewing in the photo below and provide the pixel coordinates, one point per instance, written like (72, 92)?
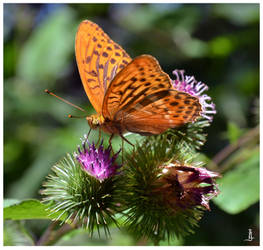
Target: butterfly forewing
(140, 78)
(99, 59)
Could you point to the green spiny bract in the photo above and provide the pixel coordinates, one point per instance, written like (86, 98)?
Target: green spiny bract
(146, 213)
(85, 200)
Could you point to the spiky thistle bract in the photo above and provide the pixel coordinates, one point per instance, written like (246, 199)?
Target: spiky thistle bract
(148, 213)
(85, 200)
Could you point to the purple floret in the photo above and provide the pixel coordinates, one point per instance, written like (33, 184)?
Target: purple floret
(98, 162)
(189, 85)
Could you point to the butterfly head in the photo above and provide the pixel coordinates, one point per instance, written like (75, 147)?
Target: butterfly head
(95, 121)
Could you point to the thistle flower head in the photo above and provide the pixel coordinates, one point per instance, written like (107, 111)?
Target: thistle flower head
(164, 199)
(189, 85)
(73, 194)
(98, 162)
(187, 186)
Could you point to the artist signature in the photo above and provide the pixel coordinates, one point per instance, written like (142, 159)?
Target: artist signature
(250, 235)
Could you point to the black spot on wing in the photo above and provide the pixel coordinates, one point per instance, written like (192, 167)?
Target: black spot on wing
(105, 54)
(133, 79)
(112, 61)
(88, 59)
(174, 103)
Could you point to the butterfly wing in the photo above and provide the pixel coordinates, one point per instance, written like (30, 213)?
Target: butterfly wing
(140, 78)
(160, 111)
(99, 59)
(142, 100)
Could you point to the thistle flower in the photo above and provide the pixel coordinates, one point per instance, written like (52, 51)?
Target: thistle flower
(186, 186)
(75, 196)
(97, 162)
(189, 85)
(165, 202)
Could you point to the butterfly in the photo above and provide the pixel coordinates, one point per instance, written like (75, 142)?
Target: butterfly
(128, 94)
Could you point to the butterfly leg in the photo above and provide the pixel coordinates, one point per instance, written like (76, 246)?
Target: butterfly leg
(126, 140)
(122, 144)
(89, 133)
(111, 136)
(99, 138)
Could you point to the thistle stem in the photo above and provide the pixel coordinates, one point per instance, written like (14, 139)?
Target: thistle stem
(51, 236)
(245, 139)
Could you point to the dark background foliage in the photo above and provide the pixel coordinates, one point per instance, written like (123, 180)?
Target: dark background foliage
(217, 43)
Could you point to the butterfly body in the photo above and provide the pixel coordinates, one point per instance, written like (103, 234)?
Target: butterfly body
(132, 95)
(97, 121)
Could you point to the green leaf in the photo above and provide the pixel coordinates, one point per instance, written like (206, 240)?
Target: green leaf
(46, 52)
(27, 209)
(15, 234)
(10, 202)
(240, 186)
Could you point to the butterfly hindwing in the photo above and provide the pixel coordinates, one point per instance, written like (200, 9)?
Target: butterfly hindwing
(99, 59)
(141, 77)
(160, 111)
(141, 98)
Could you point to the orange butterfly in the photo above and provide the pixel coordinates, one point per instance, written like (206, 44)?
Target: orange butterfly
(128, 94)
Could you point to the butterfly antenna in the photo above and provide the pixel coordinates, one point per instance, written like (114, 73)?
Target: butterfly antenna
(62, 99)
(74, 116)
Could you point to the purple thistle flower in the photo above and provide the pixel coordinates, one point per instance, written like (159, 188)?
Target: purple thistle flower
(189, 85)
(187, 186)
(98, 162)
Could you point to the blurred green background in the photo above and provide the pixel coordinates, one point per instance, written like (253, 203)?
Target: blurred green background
(217, 43)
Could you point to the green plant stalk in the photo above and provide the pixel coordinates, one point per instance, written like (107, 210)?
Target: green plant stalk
(250, 138)
(51, 236)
